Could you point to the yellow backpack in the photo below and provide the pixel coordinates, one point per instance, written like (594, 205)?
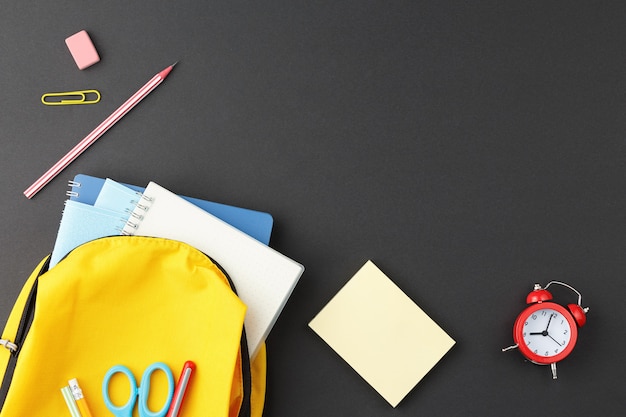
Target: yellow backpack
(132, 301)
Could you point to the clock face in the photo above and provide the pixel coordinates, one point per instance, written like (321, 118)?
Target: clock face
(545, 332)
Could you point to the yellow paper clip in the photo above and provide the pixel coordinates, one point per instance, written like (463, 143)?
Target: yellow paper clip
(71, 97)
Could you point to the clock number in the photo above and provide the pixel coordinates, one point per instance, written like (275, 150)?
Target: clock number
(547, 353)
(565, 331)
(544, 312)
(534, 316)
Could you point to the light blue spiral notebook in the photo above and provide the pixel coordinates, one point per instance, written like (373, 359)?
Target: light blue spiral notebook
(99, 208)
(81, 223)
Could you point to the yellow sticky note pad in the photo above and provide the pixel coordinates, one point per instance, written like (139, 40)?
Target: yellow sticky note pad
(375, 327)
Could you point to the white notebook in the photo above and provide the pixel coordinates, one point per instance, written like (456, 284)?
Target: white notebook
(263, 277)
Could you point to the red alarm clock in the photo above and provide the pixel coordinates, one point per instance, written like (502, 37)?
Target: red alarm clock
(546, 332)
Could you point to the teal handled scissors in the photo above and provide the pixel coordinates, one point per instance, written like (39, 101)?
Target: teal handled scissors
(142, 392)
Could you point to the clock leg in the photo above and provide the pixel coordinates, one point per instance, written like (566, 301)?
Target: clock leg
(553, 367)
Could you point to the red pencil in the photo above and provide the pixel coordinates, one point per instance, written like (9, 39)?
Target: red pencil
(97, 132)
(181, 389)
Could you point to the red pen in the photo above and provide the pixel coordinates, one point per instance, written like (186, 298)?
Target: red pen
(181, 389)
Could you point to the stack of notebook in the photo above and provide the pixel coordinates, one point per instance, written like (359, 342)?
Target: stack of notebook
(236, 238)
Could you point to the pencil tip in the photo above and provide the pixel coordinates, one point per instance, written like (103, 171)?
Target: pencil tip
(174, 64)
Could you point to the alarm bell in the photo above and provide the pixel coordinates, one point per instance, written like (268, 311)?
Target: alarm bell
(539, 295)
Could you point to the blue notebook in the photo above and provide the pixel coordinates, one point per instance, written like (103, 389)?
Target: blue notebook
(99, 208)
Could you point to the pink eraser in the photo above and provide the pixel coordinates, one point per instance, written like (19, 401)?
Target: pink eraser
(82, 49)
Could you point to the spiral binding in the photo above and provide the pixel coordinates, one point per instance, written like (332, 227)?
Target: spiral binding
(73, 184)
(76, 184)
(136, 218)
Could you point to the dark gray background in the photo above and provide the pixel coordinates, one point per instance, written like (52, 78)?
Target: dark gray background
(469, 149)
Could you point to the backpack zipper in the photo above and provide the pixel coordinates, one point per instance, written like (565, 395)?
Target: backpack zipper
(246, 404)
(22, 330)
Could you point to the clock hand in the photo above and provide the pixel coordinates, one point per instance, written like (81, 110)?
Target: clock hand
(549, 320)
(555, 340)
(543, 333)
